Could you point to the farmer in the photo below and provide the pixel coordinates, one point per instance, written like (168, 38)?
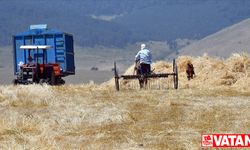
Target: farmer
(30, 62)
(143, 60)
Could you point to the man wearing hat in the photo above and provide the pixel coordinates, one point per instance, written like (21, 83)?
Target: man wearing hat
(143, 60)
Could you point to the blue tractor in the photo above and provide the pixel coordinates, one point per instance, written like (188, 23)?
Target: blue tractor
(43, 55)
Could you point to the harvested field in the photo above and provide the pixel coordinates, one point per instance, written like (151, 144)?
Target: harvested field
(89, 116)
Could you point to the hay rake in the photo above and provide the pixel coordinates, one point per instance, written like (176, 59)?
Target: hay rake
(147, 76)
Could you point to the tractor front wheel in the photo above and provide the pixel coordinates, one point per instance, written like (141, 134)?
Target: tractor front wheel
(15, 82)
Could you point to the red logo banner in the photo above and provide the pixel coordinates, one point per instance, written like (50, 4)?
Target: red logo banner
(225, 140)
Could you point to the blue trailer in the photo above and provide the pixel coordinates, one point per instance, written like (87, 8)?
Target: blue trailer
(43, 55)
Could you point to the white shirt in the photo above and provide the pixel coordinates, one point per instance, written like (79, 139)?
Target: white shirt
(144, 56)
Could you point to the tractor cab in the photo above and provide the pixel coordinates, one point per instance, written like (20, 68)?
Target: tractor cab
(36, 69)
(36, 53)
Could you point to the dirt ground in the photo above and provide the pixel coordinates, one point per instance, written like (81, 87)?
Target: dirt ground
(91, 116)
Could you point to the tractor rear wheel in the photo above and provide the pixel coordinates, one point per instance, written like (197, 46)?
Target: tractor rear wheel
(52, 78)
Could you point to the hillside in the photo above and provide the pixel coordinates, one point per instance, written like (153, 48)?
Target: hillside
(169, 20)
(115, 23)
(90, 116)
(234, 39)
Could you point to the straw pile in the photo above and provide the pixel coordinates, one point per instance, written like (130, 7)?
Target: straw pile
(210, 72)
(214, 72)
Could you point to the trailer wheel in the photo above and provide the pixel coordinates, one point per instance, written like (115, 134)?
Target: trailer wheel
(175, 70)
(59, 81)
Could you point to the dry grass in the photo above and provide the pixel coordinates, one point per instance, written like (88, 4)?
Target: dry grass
(92, 116)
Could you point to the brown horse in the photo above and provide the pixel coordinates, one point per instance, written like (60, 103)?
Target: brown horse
(142, 70)
(190, 70)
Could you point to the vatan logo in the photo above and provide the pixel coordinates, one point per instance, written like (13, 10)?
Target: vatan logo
(207, 140)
